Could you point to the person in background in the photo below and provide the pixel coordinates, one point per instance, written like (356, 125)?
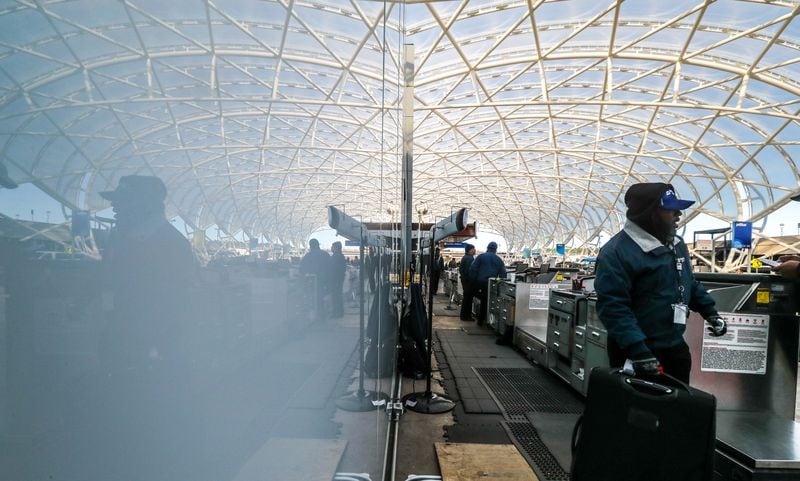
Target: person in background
(466, 285)
(438, 268)
(645, 286)
(317, 262)
(485, 267)
(338, 267)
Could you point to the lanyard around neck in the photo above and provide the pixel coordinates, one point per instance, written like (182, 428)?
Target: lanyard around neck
(679, 266)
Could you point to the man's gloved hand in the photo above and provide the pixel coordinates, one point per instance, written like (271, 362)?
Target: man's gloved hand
(645, 364)
(789, 267)
(717, 326)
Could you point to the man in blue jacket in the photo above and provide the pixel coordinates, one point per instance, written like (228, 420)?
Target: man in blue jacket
(645, 286)
(486, 266)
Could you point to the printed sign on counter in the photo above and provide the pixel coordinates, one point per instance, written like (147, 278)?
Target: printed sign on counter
(540, 295)
(743, 349)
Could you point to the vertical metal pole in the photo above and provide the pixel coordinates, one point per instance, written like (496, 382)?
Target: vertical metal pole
(430, 313)
(361, 314)
(419, 268)
(408, 155)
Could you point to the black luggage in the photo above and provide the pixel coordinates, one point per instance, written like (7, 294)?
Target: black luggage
(379, 357)
(412, 359)
(413, 334)
(644, 429)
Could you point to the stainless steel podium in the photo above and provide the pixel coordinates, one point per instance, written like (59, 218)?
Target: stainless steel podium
(757, 437)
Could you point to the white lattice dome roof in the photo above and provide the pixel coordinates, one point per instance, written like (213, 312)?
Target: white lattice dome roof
(536, 115)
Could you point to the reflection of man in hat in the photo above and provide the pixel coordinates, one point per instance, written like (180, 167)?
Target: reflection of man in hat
(645, 286)
(149, 265)
(147, 268)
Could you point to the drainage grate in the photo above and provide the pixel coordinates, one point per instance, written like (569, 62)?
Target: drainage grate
(522, 390)
(535, 452)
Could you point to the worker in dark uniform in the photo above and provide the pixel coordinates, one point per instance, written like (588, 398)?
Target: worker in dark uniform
(337, 270)
(486, 266)
(467, 287)
(645, 286)
(317, 262)
(147, 269)
(438, 268)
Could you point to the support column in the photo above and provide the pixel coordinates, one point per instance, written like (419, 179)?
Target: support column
(408, 155)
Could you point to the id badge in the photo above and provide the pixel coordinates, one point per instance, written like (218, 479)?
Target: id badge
(679, 313)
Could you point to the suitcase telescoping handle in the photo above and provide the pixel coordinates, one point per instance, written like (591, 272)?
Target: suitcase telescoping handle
(648, 386)
(658, 384)
(670, 381)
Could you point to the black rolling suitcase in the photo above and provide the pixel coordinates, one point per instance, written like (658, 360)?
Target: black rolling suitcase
(644, 429)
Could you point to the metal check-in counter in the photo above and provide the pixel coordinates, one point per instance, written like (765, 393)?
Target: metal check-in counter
(752, 371)
(531, 305)
(501, 299)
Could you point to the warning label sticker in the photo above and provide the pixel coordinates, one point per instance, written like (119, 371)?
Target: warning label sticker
(540, 295)
(743, 349)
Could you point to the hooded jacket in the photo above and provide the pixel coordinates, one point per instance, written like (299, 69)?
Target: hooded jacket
(638, 282)
(486, 266)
